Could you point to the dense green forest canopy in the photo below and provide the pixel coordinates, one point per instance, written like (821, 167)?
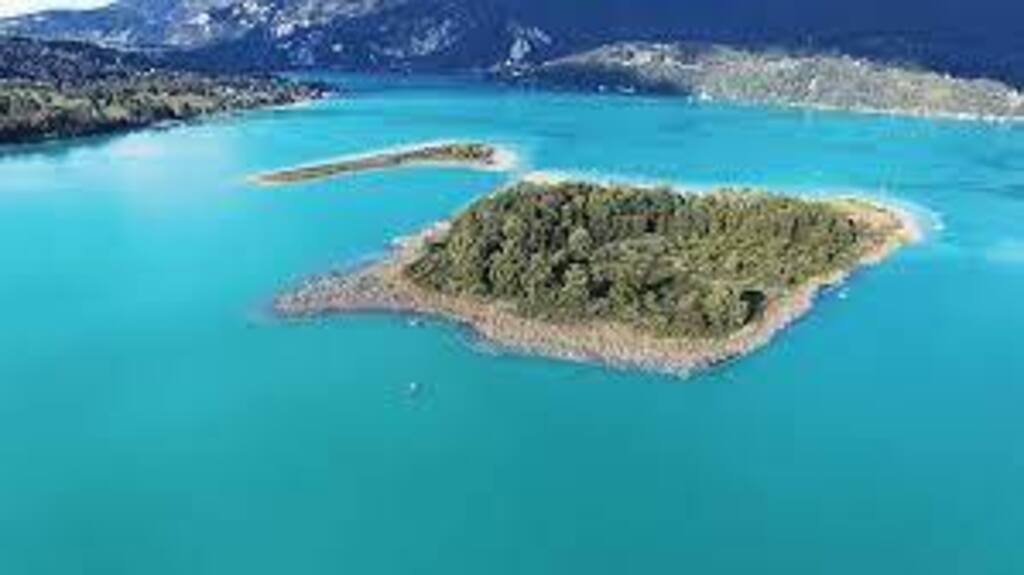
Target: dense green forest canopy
(680, 265)
(32, 111)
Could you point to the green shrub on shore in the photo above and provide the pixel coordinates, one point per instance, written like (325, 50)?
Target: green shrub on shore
(670, 264)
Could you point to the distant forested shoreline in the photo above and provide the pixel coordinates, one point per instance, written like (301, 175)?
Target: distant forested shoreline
(68, 89)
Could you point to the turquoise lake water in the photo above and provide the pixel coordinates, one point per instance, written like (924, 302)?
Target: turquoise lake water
(155, 419)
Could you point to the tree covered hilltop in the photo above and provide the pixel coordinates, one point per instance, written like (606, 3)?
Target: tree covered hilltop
(622, 274)
(67, 89)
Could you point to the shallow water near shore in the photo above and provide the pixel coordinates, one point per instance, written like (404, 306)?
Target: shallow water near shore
(154, 418)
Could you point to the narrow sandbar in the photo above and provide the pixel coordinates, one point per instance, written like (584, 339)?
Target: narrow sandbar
(472, 155)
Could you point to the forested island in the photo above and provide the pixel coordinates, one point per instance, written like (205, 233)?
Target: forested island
(624, 275)
(464, 154)
(54, 90)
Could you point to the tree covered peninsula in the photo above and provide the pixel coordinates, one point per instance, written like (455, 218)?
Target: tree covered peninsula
(624, 275)
(52, 90)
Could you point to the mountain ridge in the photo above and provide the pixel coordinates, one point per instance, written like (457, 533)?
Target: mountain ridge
(977, 39)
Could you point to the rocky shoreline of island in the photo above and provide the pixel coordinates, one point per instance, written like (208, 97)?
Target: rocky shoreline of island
(385, 286)
(471, 155)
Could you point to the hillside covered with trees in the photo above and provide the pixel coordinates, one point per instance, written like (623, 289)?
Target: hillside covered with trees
(779, 78)
(67, 89)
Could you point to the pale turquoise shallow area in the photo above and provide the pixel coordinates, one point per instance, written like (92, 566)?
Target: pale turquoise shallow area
(155, 419)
